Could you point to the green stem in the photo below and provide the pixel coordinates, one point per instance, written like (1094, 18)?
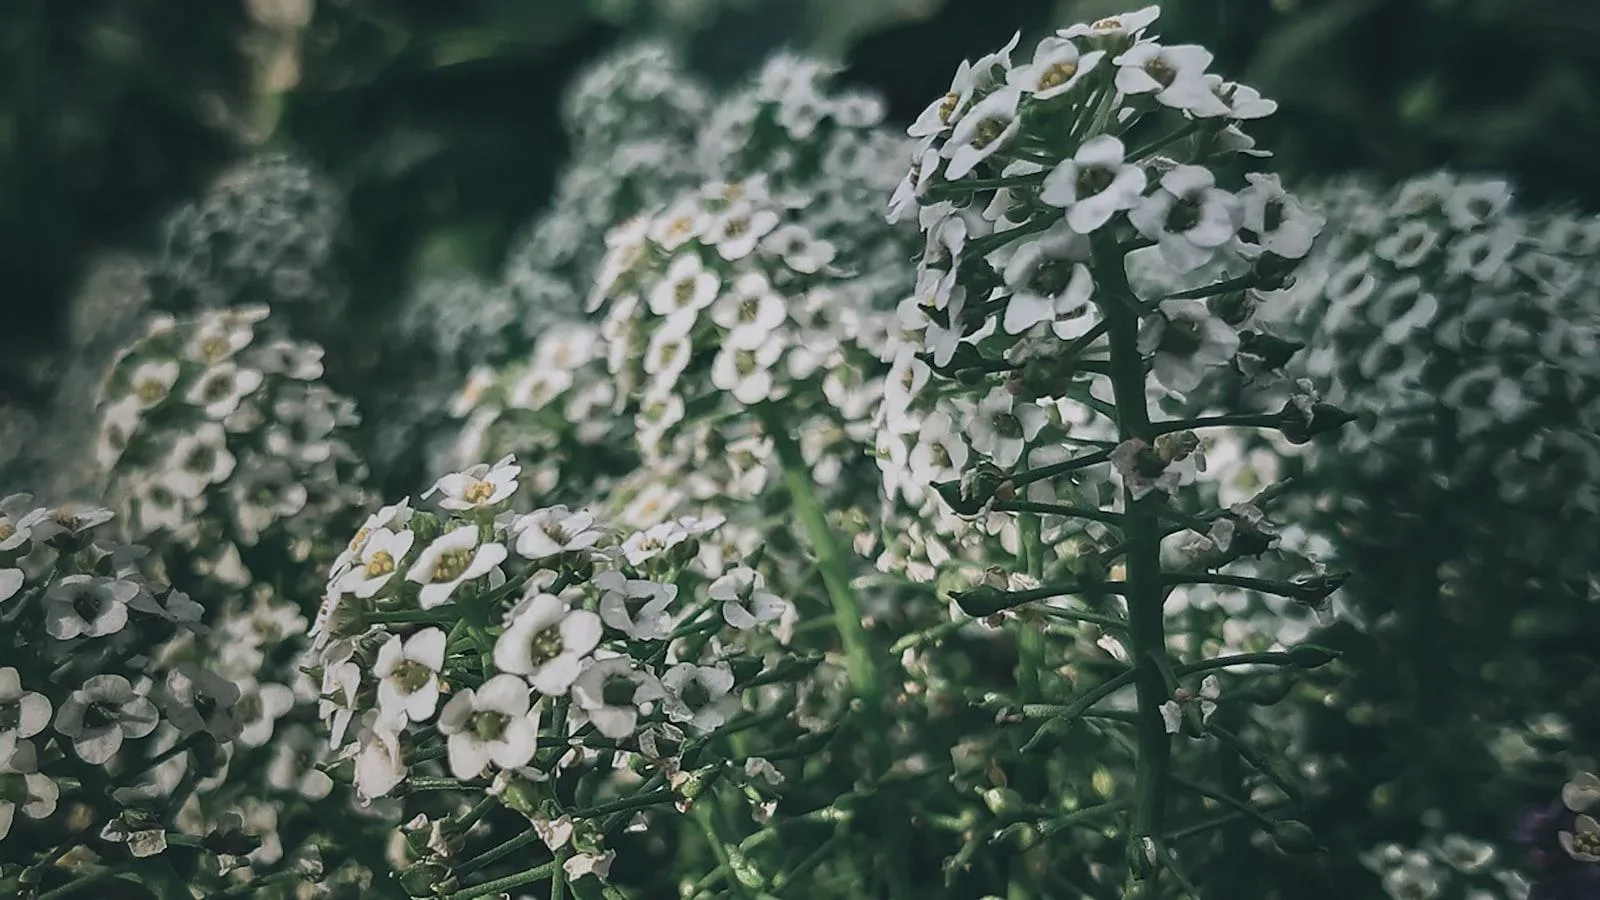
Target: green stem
(1146, 623)
(847, 616)
(1062, 716)
(1029, 777)
(1060, 509)
(1265, 658)
(1061, 468)
(526, 839)
(1240, 420)
(527, 876)
(252, 888)
(77, 884)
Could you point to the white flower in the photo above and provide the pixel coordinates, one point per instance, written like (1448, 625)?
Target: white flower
(613, 692)
(699, 695)
(408, 675)
(220, 388)
(747, 374)
(1279, 223)
(1175, 74)
(87, 606)
(635, 607)
(11, 581)
(738, 228)
(1112, 29)
(986, 129)
(450, 560)
(199, 700)
(682, 222)
(23, 714)
(336, 708)
(750, 312)
(259, 709)
(25, 787)
(548, 642)
(798, 248)
(199, 460)
(1048, 280)
(118, 422)
(1189, 218)
(1186, 340)
(380, 765)
(745, 601)
(295, 757)
(939, 454)
(581, 864)
(943, 113)
(553, 531)
(643, 546)
(670, 350)
(397, 514)
(480, 486)
(100, 715)
(1094, 185)
(1583, 842)
(381, 554)
(152, 381)
(1057, 68)
(1000, 427)
(687, 288)
(1579, 795)
(494, 724)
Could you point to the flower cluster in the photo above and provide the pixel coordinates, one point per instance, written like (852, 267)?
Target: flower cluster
(507, 649)
(223, 449)
(1037, 409)
(1447, 867)
(1563, 842)
(264, 234)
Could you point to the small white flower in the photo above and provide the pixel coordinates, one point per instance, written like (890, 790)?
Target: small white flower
(1279, 223)
(1175, 74)
(296, 755)
(750, 312)
(1000, 427)
(581, 864)
(219, 389)
(547, 642)
(687, 287)
(408, 674)
(1048, 280)
(986, 129)
(11, 581)
(1582, 843)
(199, 459)
(1186, 340)
(681, 223)
(613, 692)
(87, 606)
(380, 764)
(1581, 794)
(100, 715)
(798, 248)
(450, 560)
(738, 228)
(381, 554)
(199, 700)
(747, 374)
(553, 531)
(745, 601)
(1114, 29)
(397, 514)
(494, 724)
(259, 709)
(940, 453)
(480, 486)
(337, 705)
(643, 546)
(1057, 68)
(28, 790)
(1094, 185)
(23, 714)
(1189, 218)
(635, 607)
(152, 382)
(700, 695)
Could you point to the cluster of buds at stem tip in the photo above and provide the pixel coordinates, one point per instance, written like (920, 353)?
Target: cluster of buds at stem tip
(978, 488)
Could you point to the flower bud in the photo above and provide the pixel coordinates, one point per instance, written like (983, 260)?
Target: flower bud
(1294, 837)
(1311, 656)
(1300, 428)
(1003, 802)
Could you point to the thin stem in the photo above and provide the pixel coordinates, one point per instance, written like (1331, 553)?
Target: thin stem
(1061, 468)
(499, 851)
(1029, 778)
(1270, 658)
(1244, 582)
(82, 881)
(1235, 420)
(1146, 622)
(1060, 509)
(847, 616)
(1061, 716)
(986, 601)
(527, 876)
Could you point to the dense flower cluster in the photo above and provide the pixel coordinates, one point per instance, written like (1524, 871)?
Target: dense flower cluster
(265, 234)
(1464, 332)
(510, 648)
(1445, 867)
(223, 448)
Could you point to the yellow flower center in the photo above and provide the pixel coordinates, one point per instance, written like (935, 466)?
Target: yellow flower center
(545, 645)
(478, 491)
(1057, 75)
(680, 227)
(947, 106)
(7, 530)
(736, 227)
(381, 563)
(451, 564)
(987, 132)
(360, 540)
(1586, 842)
(150, 390)
(214, 348)
(683, 291)
(1110, 23)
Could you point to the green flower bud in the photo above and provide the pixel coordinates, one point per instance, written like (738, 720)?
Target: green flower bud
(1311, 656)
(1294, 837)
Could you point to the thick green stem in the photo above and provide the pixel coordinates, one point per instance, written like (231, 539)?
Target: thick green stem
(1029, 780)
(1146, 624)
(859, 657)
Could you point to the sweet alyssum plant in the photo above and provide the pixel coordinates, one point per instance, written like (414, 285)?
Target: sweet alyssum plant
(1034, 181)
